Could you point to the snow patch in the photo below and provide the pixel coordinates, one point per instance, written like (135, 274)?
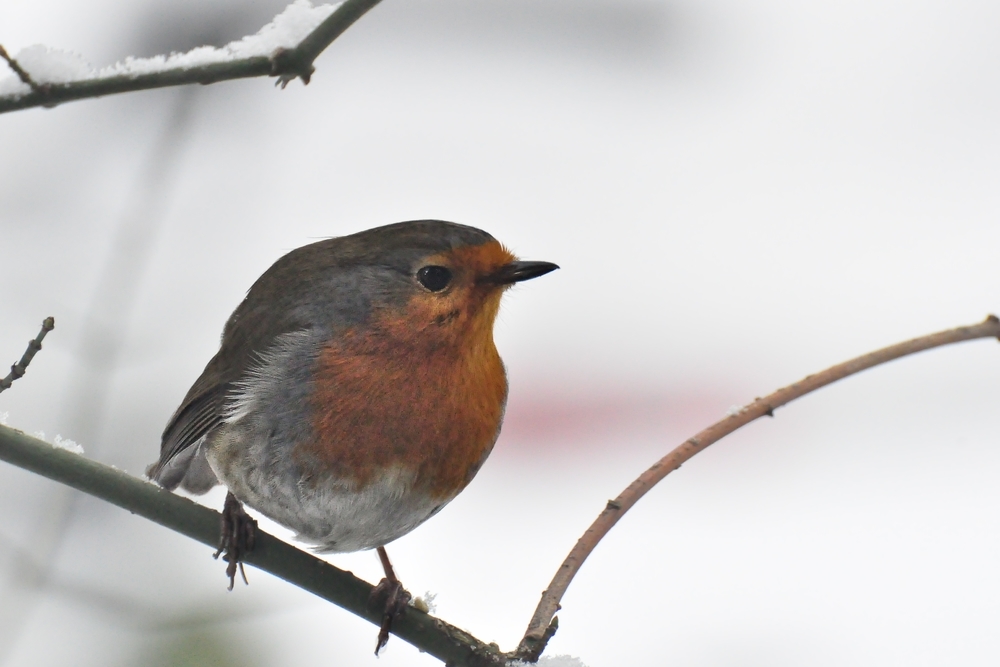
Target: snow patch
(67, 444)
(58, 442)
(425, 602)
(551, 661)
(48, 65)
(11, 86)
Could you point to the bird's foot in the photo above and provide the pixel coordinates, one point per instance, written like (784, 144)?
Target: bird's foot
(391, 599)
(236, 540)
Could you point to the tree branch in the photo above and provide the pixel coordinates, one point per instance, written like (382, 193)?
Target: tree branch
(434, 636)
(286, 64)
(543, 622)
(19, 71)
(34, 345)
(453, 646)
(299, 61)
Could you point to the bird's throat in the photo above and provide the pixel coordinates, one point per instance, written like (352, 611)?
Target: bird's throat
(381, 402)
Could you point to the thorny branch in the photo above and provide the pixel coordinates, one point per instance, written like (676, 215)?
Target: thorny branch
(34, 345)
(286, 64)
(544, 623)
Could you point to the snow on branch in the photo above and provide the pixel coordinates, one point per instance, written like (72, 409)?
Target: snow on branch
(285, 48)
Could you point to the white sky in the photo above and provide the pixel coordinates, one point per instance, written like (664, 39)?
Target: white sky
(739, 193)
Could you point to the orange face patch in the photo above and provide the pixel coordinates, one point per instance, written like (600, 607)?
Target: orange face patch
(467, 308)
(421, 387)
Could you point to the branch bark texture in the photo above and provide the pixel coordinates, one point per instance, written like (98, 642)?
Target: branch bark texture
(453, 646)
(34, 345)
(286, 64)
(543, 622)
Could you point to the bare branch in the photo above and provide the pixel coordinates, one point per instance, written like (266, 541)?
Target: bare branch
(34, 345)
(286, 64)
(543, 623)
(21, 74)
(453, 646)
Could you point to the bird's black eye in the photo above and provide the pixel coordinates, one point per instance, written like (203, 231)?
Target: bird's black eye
(434, 278)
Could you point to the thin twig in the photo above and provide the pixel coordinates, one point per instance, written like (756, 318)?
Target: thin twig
(453, 646)
(34, 345)
(87, 386)
(542, 624)
(286, 64)
(21, 74)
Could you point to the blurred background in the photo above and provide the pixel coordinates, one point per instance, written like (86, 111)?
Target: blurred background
(739, 193)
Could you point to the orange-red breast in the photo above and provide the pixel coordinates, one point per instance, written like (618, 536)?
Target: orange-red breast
(357, 389)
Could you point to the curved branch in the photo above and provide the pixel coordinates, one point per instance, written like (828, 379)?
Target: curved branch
(452, 645)
(286, 64)
(543, 623)
(34, 345)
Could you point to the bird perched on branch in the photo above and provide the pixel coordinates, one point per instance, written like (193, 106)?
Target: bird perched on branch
(357, 391)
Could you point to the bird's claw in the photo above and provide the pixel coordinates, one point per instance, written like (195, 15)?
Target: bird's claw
(391, 599)
(237, 538)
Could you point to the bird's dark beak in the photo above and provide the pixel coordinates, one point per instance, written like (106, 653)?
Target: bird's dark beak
(516, 272)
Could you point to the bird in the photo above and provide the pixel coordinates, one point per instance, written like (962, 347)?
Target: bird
(356, 391)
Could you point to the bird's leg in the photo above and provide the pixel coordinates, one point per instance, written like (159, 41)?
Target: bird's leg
(389, 597)
(236, 541)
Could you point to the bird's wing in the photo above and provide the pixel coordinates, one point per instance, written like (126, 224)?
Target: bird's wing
(278, 304)
(199, 413)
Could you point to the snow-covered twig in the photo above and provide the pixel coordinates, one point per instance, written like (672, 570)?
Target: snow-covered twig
(543, 623)
(284, 48)
(34, 345)
(19, 71)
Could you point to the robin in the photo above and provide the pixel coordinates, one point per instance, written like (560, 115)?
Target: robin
(357, 391)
